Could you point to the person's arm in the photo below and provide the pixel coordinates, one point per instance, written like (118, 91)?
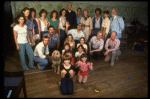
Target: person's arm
(90, 43)
(100, 48)
(116, 47)
(58, 42)
(39, 28)
(67, 25)
(121, 23)
(73, 46)
(91, 26)
(33, 34)
(29, 39)
(15, 38)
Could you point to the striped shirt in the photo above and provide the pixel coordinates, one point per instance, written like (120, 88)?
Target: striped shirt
(96, 44)
(114, 45)
(52, 42)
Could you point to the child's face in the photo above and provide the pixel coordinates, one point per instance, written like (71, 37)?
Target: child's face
(69, 54)
(66, 62)
(66, 47)
(84, 59)
(80, 49)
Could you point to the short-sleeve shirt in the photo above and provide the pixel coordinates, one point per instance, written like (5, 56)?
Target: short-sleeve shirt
(75, 34)
(54, 23)
(21, 34)
(52, 42)
(96, 44)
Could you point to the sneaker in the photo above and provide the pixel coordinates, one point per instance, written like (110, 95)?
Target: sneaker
(112, 63)
(107, 58)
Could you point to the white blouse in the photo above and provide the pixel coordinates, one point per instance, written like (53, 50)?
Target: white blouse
(106, 24)
(62, 22)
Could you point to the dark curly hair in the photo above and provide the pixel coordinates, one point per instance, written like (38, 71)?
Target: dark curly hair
(42, 11)
(18, 17)
(107, 12)
(98, 9)
(54, 11)
(32, 10)
(62, 11)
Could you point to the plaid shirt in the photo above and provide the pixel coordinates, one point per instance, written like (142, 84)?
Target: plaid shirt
(52, 42)
(96, 44)
(113, 44)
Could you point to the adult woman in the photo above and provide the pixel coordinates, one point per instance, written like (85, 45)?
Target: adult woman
(70, 40)
(37, 25)
(86, 24)
(43, 22)
(54, 21)
(22, 44)
(62, 23)
(29, 23)
(82, 42)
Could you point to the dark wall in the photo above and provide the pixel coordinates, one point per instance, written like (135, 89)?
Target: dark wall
(7, 31)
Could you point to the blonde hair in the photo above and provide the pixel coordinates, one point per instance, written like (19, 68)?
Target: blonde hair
(66, 40)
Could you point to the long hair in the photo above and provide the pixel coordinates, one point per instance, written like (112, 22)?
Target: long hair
(32, 10)
(66, 40)
(54, 11)
(24, 9)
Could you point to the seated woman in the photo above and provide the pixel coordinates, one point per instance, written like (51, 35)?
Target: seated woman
(82, 42)
(67, 72)
(71, 42)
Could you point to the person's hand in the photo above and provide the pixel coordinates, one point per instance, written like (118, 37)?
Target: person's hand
(30, 43)
(106, 53)
(18, 47)
(91, 52)
(90, 33)
(91, 64)
(67, 24)
(48, 57)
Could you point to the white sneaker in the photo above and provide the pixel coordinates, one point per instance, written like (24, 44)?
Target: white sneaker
(112, 63)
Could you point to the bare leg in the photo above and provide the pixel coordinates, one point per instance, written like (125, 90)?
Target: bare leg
(85, 78)
(63, 72)
(79, 78)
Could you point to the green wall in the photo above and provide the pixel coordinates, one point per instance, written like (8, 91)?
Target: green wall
(126, 9)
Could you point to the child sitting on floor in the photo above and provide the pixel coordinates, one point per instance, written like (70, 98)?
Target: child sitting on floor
(69, 53)
(66, 47)
(67, 72)
(83, 68)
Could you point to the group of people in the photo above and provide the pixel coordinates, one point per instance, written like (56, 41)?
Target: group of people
(78, 38)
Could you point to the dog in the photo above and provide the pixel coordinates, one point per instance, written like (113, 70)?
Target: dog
(56, 61)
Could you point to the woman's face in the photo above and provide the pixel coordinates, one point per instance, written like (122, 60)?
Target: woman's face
(26, 13)
(85, 13)
(82, 41)
(105, 15)
(66, 47)
(66, 62)
(43, 14)
(63, 13)
(21, 20)
(54, 15)
(84, 59)
(32, 14)
(69, 38)
(80, 49)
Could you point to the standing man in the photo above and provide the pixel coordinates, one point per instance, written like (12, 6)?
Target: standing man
(79, 16)
(41, 53)
(113, 52)
(97, 21)
(71, 17)
(117, 23)
(53, 39)
(96, 45)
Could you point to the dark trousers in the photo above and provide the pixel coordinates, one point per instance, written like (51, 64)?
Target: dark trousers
(51, 50)
(62, 38)
(95, 55)
(95, 32)
(66, 86)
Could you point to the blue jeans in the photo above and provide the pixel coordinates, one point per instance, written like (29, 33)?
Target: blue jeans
(62, 37)
(95, 32)
(42, 63)
(95, 54)
(66, 86)
(30, 54)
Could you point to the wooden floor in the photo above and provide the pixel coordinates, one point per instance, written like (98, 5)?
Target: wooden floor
(128, 78)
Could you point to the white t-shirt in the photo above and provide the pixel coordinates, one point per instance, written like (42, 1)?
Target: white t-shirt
(78, 54)
(21, 34)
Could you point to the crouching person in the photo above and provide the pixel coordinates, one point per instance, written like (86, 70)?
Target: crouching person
(67, 72)
(113, 52)
(41, 53)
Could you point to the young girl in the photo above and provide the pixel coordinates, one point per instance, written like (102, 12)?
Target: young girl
(83, 68)
(23, 42)
(82, 42)
(66, 47)
(66, 86)
(70, 40)
(79, 52)
(69, 53)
